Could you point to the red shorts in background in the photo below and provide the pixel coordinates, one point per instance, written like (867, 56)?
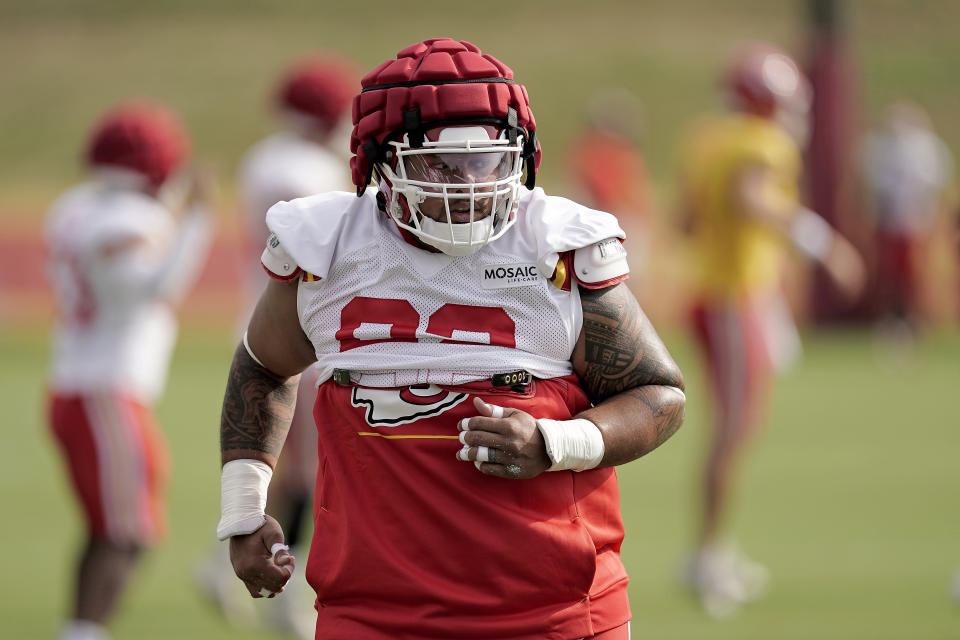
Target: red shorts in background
(117, 461)
(736, 343)
(896, 288)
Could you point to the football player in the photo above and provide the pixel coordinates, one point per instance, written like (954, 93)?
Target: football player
(739, 193)
(606, 162)
(482, 369)
(119, 260)
(308, 155)
(908, 181)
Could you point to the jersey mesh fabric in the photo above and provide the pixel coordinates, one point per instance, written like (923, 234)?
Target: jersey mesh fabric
(547, 321)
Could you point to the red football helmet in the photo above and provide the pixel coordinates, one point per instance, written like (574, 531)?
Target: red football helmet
(143, 137)
(445, 126)
(320, 88)
(764, 80)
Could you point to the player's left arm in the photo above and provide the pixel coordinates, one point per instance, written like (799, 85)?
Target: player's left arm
(757, 195)
(628, 374)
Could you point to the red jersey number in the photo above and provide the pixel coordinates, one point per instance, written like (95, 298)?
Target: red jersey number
(370, 320)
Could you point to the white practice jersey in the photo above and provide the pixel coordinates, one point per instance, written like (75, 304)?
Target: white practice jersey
(388, 312)
(907, 174)
(284, 166)
(117, 260)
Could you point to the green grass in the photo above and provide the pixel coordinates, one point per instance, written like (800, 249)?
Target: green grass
(850, 496)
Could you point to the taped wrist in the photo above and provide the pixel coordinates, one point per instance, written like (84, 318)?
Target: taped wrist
(575, 445)
(243, 497)
(811, 234)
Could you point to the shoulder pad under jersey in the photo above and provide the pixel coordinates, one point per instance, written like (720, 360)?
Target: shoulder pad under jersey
(601, 264)
(278, 264)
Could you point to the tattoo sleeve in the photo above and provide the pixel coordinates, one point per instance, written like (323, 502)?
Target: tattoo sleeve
(629, 375)
(257, 410)
(621, 348)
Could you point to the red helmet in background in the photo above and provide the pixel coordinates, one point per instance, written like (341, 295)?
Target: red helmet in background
(320, 88)
(144, 137)
(764, 80)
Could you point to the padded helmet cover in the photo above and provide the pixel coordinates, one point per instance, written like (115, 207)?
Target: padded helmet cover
(445, 81)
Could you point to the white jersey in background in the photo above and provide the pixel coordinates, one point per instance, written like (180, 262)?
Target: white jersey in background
(117, 261)
(377, 306)
(907, 173)
(285, 166)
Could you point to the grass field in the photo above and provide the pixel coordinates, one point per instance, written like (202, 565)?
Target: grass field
(851, 498)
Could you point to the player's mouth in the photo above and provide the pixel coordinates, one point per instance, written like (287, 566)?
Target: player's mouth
(461, 216)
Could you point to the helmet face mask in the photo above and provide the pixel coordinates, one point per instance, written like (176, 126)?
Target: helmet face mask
(459, 190)
(450, 137)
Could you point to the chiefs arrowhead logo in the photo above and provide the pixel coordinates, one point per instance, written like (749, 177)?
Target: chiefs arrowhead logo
(393, 407)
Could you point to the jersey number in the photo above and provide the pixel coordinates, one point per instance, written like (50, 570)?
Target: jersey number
(372, 320)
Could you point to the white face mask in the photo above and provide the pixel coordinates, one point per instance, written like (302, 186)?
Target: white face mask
(461, 189)
(459, 239)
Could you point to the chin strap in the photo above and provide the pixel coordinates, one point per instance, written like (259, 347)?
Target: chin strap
(528, 153)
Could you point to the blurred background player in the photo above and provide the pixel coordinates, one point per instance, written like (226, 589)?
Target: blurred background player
(739, 198)
(907, 178)
(308, 155)
(119, 260)
(608, 172)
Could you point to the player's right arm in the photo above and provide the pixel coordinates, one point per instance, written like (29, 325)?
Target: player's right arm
(261, 393)
(127, 266)
(257, 408)
(757, 195)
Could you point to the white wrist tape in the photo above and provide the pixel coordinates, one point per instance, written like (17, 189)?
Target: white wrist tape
(572, 444)
(243, 497)
(811, 234)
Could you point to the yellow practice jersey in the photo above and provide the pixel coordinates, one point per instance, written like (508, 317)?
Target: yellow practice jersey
(735, 255)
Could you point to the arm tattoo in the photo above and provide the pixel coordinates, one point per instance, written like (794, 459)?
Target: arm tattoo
(621, 348)
(257, 408)
(667, 407)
